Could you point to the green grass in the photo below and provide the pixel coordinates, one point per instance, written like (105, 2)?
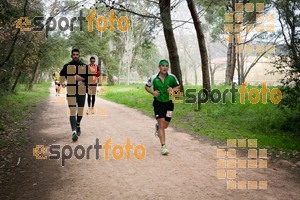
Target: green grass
(15, 109)
(263, 122)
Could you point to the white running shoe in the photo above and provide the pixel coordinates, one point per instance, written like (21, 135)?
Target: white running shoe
(164, 150)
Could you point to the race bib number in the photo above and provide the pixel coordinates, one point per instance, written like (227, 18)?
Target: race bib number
(169, 114)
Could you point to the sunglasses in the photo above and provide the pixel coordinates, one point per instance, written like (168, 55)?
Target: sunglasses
(92, 61)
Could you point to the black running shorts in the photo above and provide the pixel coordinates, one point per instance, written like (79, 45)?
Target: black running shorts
(163, 109)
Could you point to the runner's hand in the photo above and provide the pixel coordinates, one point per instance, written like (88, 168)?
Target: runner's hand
(170, 90)
(155, 93)
(78, 78)
(81, 83)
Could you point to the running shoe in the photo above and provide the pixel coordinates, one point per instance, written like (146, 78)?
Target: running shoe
(164, 150)
(74, 136)
(156, 130)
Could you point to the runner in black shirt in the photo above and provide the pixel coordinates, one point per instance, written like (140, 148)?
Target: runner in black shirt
(76, 74)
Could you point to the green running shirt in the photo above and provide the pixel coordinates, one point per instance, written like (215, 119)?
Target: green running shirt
(170, 81)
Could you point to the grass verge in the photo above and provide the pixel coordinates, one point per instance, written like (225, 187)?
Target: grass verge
(15, 111)
(264, 122)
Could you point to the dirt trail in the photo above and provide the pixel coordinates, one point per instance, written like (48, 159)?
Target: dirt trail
(189, 172)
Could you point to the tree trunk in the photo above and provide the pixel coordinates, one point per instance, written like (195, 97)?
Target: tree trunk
(239, 67)
(212, 80)
(242, 58)
(34, 76)
(165, 13)
(228, 80)
(16, 81)
(212, 74)
(201, 44)
(233, 59)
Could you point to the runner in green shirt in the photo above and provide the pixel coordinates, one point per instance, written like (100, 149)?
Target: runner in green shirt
(163, 84)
